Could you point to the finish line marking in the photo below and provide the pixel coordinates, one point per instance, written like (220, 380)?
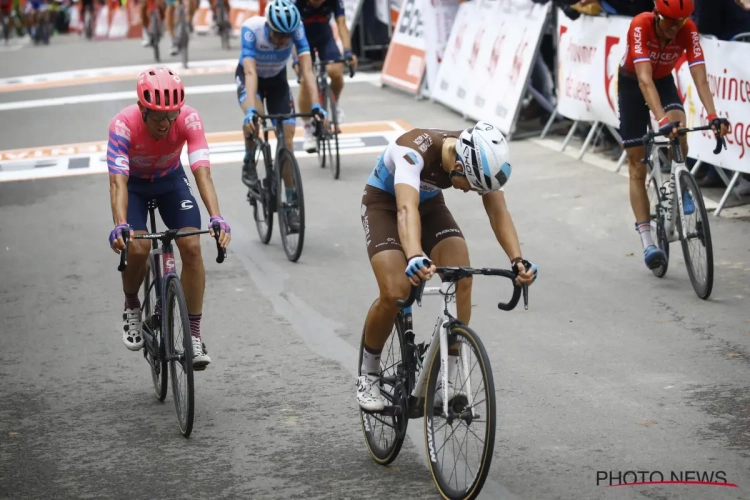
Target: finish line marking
(224, 147)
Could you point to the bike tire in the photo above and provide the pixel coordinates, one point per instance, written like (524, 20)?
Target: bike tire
(184, 404)
(158, 366)
(384, 455)
(184, 38)
(292, 251)
(263, 214)
(333, 138)
(470, 340)
(657, 214)
(155, 33)
(224, 26)
(702, 233)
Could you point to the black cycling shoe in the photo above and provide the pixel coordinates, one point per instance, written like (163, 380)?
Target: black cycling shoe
(250, 176)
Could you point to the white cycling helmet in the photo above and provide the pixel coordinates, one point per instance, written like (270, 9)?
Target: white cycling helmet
(485, 155)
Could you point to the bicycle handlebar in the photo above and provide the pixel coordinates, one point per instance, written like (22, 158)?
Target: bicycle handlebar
(336, 61)
(651, 135)
(169, 235)
(455, 274)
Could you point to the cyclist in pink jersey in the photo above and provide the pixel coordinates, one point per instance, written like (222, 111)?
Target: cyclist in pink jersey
(143, 155)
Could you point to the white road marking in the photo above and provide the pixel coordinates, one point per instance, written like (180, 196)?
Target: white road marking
(131, 95)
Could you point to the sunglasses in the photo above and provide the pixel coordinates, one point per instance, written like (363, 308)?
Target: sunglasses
(282, 37)
(159, 117)
(673, 23)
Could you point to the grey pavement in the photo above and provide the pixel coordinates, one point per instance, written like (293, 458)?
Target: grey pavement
(611, 369)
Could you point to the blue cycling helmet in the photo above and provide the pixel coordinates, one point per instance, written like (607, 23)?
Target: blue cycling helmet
(283, 16)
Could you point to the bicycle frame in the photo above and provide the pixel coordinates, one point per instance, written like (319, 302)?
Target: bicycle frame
(446, 318)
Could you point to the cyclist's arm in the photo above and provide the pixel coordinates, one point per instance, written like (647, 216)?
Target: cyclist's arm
(346, 39)
(406, 183)
(502, 223)
(198, 157)
(697, 63)
(305, 64)
(648, 88)
(248, 64)
(118, 164)
(701, 84)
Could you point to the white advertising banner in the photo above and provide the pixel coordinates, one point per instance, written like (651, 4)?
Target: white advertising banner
(588, 56)
(729, 81)
(489, 57)
(438, 19)
(405, 61)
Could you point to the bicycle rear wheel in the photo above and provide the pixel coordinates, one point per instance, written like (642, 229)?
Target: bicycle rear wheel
(696, 238)
(471, 414)
(384, 434)
(264, 204)
(290, 203)
(180, 354)
(152, 325)
(655, 201)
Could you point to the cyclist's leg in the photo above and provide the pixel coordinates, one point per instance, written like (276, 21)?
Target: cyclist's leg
(171, 19)
(634, 118)
(281, 101)
(192, 7)
(388, 262)
(172, 203)
(144, 5)
(249, 169)
(310, 144)
(133, 275)
(335, 71)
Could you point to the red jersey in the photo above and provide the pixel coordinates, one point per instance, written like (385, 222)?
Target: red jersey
(644, 46)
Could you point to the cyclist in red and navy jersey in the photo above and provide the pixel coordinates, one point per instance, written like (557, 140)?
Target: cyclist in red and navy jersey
(143, 156)
(656, 41)
(316, 16)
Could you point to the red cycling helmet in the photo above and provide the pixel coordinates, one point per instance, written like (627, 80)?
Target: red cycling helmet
(675, 9)
(160, 89)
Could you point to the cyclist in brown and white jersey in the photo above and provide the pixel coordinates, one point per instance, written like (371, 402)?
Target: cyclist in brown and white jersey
(408, 227)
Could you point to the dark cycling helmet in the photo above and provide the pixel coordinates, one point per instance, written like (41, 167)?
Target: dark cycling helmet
(283, 16)
(675, 9)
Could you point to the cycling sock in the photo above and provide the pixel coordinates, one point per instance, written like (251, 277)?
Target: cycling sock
(131, 301)
(644, 228)
(195, 324)
(370, 361)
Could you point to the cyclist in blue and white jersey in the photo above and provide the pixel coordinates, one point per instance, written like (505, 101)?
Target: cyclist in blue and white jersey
(316, 17)
(266, 48)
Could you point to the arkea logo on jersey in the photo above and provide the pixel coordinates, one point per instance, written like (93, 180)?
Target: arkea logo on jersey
(638, 39)
(697, 44)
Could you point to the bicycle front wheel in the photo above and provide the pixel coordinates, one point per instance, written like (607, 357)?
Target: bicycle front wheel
(290, 203)
(180, 354)
(655, 201)
(263, 205)
(155, 353)
(385, 434)
(459, 468)
(696, 237)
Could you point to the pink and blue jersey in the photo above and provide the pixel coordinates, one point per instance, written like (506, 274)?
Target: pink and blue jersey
(131, 151)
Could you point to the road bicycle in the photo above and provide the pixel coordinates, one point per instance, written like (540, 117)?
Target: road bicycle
(692, 227)
(278, 170)
(167, 337)
(411, 391)
(88, 19)
(181, 31)
(328, 139)
(223, 24)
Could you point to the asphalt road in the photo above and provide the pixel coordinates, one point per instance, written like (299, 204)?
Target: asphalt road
(610, 369)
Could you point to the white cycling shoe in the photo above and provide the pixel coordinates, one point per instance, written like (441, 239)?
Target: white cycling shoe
(132, 336)
(310, 143)
(368, 393)
(200, 355)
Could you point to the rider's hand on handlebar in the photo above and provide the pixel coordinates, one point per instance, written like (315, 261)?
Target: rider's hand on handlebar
(320, 114)
(248, 125)
(669, 128)
(419, 268)
(225, 235)
(720, 126)
(116, 242)
(351, 57)
(527, 272)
